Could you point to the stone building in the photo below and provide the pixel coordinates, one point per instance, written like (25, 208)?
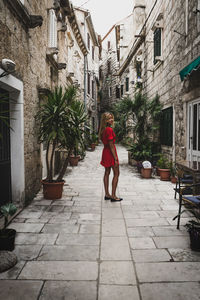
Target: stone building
(91, 65)
(46, 44)
(164, 59)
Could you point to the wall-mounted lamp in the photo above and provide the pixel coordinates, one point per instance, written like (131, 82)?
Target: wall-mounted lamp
(8, 65)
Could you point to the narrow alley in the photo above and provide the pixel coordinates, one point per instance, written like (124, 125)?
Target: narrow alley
(83, 247)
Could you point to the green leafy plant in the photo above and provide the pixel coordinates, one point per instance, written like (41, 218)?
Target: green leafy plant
(61, 126)
(7, 210)
(163, 162)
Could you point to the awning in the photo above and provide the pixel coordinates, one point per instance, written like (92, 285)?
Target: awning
(193, 66)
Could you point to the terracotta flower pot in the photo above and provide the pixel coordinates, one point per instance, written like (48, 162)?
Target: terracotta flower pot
(93, 145)
(73, 160)
(164, 174)
(173, 179)
(52, 190)
(146, 172)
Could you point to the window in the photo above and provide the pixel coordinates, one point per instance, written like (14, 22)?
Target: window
(93, 89)
(108, 45)
(88, 84)
(122, 90)
(93, 52)
(88, 41)
(166, 127)
(117, 92)
(127, 84)
(100, 74)
(157, 43)
(52, 29)
(109, 66)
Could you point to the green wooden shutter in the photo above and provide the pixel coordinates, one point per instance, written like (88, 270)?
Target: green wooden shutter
(166, 127)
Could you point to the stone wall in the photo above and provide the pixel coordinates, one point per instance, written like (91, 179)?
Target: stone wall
(27, 48)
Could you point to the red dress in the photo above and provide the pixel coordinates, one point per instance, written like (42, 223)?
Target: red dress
(107, 159)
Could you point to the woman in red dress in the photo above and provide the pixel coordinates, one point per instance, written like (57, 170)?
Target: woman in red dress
(109, 155)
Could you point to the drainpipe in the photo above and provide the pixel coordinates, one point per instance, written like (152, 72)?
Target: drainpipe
(85, 83)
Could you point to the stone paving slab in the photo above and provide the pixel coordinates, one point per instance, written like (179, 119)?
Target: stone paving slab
(117, 272)
(168, 271)
(27, 252)
(146, 222)
(151, 255)
(169, 231)
(21, 289)
(69, 252)
(34, 238)
(142, 243)
(61, 228)
(117, 292)
(31, 227)
(170, 291)
(69, 290)
(172, 242)
(113, 227)
(78, 239)
(60, 270)
(90, 228)
(115, 248)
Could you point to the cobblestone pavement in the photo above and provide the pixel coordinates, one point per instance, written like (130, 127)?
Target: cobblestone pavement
(85, 248)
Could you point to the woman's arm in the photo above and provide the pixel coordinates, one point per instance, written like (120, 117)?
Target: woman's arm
(112, 148)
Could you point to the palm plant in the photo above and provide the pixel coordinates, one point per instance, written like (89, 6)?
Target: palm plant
(61, 119)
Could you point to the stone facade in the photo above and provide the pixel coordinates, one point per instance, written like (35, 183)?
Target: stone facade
(178, 22)
(45, 41)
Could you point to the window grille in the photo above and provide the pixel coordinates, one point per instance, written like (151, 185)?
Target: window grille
(166, 127)
(157, 43)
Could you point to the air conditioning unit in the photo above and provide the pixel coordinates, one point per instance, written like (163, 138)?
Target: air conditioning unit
(159, 58)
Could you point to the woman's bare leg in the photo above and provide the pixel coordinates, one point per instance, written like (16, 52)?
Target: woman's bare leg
(115, 180)
(106, 181)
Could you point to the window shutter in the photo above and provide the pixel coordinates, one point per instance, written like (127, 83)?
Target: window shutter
(166, 127)
(157, 44)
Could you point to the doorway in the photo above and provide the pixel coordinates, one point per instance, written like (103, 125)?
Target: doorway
(5, 154)
(193, 139)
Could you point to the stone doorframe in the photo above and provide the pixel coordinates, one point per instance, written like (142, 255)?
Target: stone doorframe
(15, 88)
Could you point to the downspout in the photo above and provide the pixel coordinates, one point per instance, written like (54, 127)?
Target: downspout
(85, 83)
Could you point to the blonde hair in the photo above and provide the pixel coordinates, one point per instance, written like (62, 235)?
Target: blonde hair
(104, 122)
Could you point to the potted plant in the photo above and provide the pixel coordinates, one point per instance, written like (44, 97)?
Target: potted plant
(163, 165)
(146, 170)
(7, 235)
(61, 121)
(193, 227)
(93, 140)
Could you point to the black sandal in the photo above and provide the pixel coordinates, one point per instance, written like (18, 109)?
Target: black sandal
(116, 200)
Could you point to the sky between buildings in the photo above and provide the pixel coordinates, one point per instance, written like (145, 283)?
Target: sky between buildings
(105, 13)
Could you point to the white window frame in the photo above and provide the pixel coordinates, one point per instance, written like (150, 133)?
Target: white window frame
(52, 29)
